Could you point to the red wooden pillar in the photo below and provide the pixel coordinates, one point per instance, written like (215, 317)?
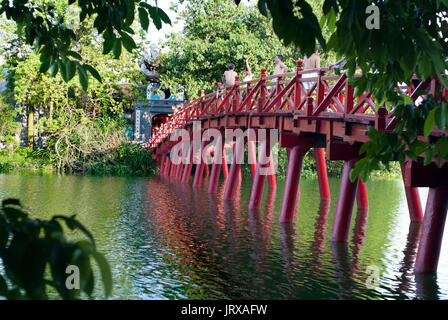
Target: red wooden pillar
(173, 169)
(252, 158)
(168, 166)
(216, 171)
(321, 167)
(235, 171)
(362, 200)
(432, 230)
(206, 170)
(180, 168)
(346, 201)
(162, 165)
(291, 194)
(413, 200)
(256, 193)
(271, 177)
(187, 170)
(225, 168)
(199, 168)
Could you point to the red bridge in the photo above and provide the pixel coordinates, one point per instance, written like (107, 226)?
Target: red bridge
(324, 116)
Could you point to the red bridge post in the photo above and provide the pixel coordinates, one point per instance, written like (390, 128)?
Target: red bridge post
(346, 201)
(168, 166)
(256, 193)
(199, 167)
(180, 168)
(291, 193)
(413, 200)
(252, 158)
(432, 230)
(216, 171)
(271, 177)
(162, 165)
(173, 169)
(362, 200)
(225, 168)
(322, 177)
(187, 170)
(235, 170)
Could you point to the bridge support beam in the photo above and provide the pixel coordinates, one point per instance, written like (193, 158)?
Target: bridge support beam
(225, 168)
(173, 169)
(252, 158)
(322, 177)
(200, 168)
(168, 166)
(215, 173)
(256, 193)
(291, 193)
(344, 207)
(235, 170)
(187, 170)
(362, 200)
(413, 200)
(179, 171)
(162, 165)
(271, 177)
(432, 230)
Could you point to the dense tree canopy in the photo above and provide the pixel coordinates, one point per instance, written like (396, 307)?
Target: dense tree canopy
(215, 34)
(43, 25)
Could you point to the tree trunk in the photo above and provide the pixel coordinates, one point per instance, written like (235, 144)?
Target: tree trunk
(31, 127)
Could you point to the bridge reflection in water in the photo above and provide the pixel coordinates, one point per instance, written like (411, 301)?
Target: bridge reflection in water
(220, 249)
(170, 241)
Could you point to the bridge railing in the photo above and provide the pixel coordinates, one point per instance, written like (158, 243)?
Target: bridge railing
(311, 93)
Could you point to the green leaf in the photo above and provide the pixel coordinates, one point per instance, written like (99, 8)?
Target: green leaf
(440, 117)
(106, 273)
(83, 78)
(54, 69)
(108, 42)
(74, 55)
(429, 123)
(262, 7)
(3, 287)
(128, 42)
(164, 16)
(72, 223)
(70, 69)
(117, 48)
(45, 65)
(417, 147)
(93, 72)
(429, 155)
(8, 202)
(62, 69)
(144, 20)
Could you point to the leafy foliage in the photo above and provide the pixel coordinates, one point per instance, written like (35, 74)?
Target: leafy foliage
(406, 139)
(82, 128)
(411, 40)
(35, 254)
(44, 26)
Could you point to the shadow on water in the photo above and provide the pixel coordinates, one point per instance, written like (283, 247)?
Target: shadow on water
(167, 240)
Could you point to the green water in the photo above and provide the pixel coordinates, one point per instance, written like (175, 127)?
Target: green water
(165, 240)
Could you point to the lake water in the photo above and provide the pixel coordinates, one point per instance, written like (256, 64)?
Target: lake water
(166, 240)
